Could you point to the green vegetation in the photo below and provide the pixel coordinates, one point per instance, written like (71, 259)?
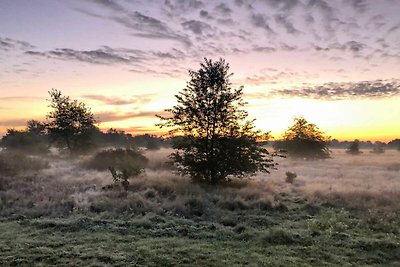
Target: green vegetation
(71, 123)
(118, 158)
(171, 222)
(304, 140)
(217, 141)
(354, 148)
(13, 163)
(72, 212)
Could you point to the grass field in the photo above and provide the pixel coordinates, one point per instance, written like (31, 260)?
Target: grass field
(342, 211)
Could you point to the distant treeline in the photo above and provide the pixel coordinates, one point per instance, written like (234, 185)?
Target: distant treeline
(334, 143)
(35, 139)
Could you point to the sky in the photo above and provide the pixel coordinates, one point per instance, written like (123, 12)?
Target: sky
(335, 62)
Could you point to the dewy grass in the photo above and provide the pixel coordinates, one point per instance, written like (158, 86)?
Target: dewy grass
(66, 215)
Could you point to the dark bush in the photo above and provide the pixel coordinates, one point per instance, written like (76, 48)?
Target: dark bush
(290, 176)
(304, 140)
(119, 159)
(25, 141)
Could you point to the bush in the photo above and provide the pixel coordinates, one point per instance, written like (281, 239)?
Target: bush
(122, 164)
(353, 148)
(119, 159)
(378, 149)
(25, 141)
(290, 176)
(12, 163)
(304, 140)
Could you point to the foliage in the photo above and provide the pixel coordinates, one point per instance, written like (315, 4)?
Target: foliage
(216, 142)
(27, 141)
(305, 140)
(117, 138)
(122, 176)
(353, 148)
(290, 176)
(36, 127)
(150, 142)
(71, 123)
(13, 163)
(378, 149)
(120, 159)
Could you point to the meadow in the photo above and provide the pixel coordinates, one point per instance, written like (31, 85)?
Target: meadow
(341, 211)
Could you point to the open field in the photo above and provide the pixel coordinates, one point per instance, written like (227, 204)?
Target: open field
(343, 211)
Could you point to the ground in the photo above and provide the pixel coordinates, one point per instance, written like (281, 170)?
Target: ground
(342, 211)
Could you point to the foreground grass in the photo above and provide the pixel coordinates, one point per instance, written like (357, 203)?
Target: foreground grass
(303, 235)
(67, 216)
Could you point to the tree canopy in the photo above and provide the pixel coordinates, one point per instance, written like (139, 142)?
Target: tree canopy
(71, 123)
(217, 140)
(304, 139)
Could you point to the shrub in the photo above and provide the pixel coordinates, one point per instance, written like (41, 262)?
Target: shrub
(12, 163)
(353, 148)
(304, 140)
(119, 159)
(378, 149)
(25, 141)
(290, 176)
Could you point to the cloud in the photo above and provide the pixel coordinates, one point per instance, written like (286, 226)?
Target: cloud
(285, 5)
(265, 49)
(21, 98)
(179, 7)
(337, 91)
(322, 6)
(104, 55)
(140, 99)
(286, 23)
(353, 46)
(115, 116)
(223, 9)
(359, 5)
(143, 25)
(258, 20)
(13, 123)
(8, 44)
(195, 26)
(205, 14)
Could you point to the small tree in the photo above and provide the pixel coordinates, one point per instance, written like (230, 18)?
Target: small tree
(354, 148)
(71, 122)
(217, 142)
(304, 139)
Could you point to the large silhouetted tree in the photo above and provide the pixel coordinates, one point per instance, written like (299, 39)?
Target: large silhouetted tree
(217, 142)
(71, 123)
(304, 139)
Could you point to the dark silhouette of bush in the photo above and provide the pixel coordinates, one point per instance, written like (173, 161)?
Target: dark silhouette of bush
(150, 142)
(378, 148)
(25, 141)
(217, 142)
(354, 148)
(117, 138)
(304, 140)
(119, 159)
(290, 176)
(71, 124)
